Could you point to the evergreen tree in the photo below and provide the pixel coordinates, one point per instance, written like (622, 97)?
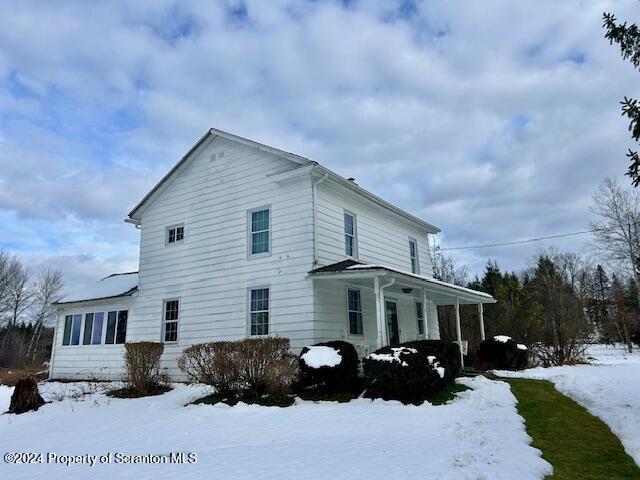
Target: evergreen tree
(628, 39)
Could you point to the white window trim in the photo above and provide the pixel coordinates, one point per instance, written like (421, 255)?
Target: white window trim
(164, 320)
(417, 257)
(346, 296)
(249, 232)
(355, 234)
(269, 322)
(166, 234)
(103, 335)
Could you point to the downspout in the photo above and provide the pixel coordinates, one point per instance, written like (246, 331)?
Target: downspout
(315, 216)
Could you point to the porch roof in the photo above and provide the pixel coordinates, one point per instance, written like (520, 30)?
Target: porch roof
(442, 292)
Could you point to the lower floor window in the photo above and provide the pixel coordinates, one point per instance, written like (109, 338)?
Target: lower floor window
(420, 318)
(259, 311)
(91, 329)
(354, 309)
(116, 327)
(72, 326)
(171, 314)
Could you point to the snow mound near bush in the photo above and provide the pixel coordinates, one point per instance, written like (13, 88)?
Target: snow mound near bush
(522, 346)
(321, 356)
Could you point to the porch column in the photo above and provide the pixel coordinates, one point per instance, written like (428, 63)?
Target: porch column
(424, 313)
(459, 330)
(481, 319)
(379, 312)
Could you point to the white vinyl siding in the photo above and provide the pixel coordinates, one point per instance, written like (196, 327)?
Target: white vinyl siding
(381, 235)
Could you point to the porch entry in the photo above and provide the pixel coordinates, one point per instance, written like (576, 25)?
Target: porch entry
(391, 307)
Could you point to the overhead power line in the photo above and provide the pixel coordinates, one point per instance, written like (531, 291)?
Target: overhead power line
(520, 242)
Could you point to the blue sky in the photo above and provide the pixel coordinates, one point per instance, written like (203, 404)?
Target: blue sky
(494, 120)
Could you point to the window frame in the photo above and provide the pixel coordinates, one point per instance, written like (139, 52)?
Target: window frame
(250, 232)
(416, 258)
(167, 234)
(419, 317)
(268, 310)
(105, 326)
(359, 290)
(354, 235)
(163, 332)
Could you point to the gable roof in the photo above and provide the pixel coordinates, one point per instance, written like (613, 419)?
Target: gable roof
(113, 286)
(212, 133)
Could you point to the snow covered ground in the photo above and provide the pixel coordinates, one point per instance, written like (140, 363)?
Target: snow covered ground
(477, 436)
(609, 388)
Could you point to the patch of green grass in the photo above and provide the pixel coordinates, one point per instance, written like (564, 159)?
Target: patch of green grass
(265, 401)
(447, 394)
(577, 444)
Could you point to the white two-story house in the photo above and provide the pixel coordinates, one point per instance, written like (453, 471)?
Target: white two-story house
(240, 239)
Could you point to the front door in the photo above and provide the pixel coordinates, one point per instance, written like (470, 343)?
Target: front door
(392, 322)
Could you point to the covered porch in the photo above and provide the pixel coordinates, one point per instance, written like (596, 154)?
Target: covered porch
(402, 304)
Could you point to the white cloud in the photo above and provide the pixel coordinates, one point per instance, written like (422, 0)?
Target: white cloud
(493, 120)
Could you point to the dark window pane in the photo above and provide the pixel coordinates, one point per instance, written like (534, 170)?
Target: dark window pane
(75, 329)
(179, 233)
(88, 327)
(348, 245)
(348, 223)
(121, 329)
(260, 323)
(171, 331)
(259, 243)
(171, 310)
(420, 318)
(172, 235)
(354, 299)
(355, 323)
(260, 221)
(66, 337)
(96, 338)
(111, 327)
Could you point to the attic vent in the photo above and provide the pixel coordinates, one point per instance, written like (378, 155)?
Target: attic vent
(216, 156)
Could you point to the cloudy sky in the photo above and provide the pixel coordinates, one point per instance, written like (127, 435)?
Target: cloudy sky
(494, 120)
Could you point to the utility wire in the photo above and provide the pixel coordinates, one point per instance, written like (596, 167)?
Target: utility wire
(520, 242)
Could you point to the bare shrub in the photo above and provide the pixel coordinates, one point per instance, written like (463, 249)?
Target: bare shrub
(246, 369)
(142, 365)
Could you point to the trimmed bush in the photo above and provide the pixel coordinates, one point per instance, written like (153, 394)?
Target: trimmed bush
(242, 370)
(447, 353)
(341, 377)
(403, 373)
(502, 352)
(142, 366)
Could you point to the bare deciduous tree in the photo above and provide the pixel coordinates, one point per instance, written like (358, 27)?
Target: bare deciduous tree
(444, 267)
(47, 290)
(617, 226)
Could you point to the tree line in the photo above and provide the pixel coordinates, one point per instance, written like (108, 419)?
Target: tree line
(26, 311)
(563, 301)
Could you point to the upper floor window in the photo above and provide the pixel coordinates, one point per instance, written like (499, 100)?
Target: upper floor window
(354, 309)
(350, 237)
(413, 255)
(259, 311)
(420, 318)
(259, 223)
(175, 234)
(171, 315)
